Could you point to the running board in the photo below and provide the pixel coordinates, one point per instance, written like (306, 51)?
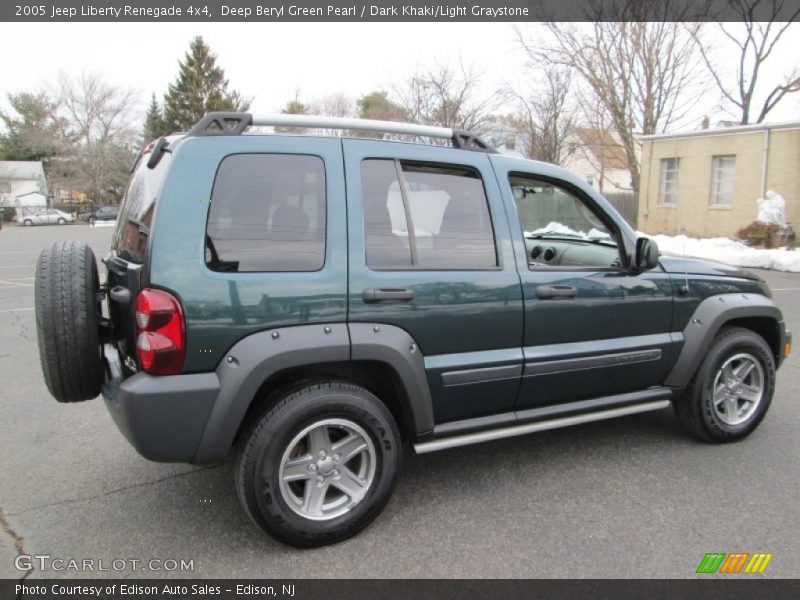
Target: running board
(514, 430)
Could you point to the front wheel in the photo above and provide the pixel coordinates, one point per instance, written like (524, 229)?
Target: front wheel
(320, 465)
(732, 389)
(27, 222)
(61, 221)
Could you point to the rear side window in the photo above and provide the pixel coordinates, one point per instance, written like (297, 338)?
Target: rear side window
(267, 213)
(419, 216)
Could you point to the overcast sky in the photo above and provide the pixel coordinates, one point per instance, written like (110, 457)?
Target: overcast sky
(269, 61)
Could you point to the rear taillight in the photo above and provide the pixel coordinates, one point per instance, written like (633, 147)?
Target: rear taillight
(160, 332)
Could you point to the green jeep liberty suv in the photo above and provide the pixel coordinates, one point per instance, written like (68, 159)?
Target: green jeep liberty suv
(309, 303)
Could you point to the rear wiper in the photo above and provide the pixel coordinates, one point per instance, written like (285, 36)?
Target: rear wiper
(143, 229)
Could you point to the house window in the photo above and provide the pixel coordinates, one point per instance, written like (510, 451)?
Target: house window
(668, 191)
(722, 179)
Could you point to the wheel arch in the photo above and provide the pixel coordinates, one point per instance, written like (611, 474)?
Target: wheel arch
(750, 311)
(266, 365)
(376, 377)
(766, 327)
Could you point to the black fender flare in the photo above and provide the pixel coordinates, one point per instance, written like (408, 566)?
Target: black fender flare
(394, 347)
(252, 360)
(706, 321)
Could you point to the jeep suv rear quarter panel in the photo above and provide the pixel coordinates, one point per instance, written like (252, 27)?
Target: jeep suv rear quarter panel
(224, 307)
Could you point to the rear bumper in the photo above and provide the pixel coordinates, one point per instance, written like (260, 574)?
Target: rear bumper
(162, 417)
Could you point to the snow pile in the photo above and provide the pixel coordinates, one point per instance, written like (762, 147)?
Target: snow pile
(730, 252)
(772, 209)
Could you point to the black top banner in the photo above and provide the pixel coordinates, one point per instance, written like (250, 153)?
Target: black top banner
(393, 10)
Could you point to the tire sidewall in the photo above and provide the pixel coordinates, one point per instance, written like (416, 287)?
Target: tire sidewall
(67, 312)
(261, 472)
(726, 347)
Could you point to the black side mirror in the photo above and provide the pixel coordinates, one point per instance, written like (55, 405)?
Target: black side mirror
(646, 254)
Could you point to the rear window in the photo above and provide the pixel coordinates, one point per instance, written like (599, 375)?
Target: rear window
(135, 213)
(267, 213)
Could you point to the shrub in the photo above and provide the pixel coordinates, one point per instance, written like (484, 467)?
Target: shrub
(758, 234)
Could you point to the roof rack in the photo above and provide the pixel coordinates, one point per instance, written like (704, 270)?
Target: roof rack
(234, 123)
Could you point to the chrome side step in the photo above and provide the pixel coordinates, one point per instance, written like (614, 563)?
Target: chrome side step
(514, 430)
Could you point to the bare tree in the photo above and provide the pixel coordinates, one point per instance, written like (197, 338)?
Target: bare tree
(752, 43)
(101, 121)
(546, 117)
(640, 73)
(334, 105)
(448, 97)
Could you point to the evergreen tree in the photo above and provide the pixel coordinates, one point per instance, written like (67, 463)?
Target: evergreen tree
(35, 132)
(153, 122)
(200, 87)
(294, 107)
(377, 105)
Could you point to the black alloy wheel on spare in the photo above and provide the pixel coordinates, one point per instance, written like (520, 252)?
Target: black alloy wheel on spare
(67, 312)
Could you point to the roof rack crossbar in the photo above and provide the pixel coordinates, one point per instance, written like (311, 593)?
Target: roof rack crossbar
(235, 123)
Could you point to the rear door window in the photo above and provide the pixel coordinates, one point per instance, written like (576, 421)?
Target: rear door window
(419, 216)
(267, 214)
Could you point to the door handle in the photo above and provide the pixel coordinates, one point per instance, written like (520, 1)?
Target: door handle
(372, 295)
(554, 292)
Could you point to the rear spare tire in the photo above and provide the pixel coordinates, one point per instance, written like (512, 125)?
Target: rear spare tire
(67, 313)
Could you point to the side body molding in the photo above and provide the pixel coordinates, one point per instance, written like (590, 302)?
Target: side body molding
(395, 347)
(250, 362)
(706, 322)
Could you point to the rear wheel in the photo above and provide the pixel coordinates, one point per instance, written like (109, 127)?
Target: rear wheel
(732, 389)
(67, 312)
(27, 222)
(320, 465)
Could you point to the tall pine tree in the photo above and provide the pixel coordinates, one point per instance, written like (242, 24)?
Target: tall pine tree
(153, 122)
(34, 131)
(201, 87)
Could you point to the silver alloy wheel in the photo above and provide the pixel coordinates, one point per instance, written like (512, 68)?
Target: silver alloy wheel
(738, 388)
(327, 469)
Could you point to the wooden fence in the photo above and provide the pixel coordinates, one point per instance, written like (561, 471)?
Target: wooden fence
(626, 204)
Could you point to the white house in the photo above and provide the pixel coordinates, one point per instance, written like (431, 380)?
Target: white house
(22, 185)
(599, 158)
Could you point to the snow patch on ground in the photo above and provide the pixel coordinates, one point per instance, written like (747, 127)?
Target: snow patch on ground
(729, 251)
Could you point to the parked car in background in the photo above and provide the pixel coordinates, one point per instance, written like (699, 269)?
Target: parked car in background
(48, 216)
(104, 213)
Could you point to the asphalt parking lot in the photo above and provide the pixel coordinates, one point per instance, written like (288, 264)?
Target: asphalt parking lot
(628, 498)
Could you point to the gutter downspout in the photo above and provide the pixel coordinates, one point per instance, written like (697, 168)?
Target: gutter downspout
(765, 162)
